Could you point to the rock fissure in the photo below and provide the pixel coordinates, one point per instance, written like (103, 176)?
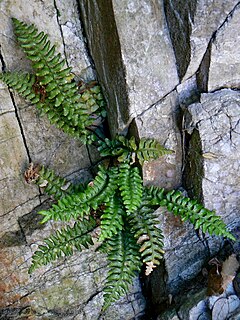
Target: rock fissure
(2, 61)
(18, 206)
(20, 126)
(86, 45)
(226, 21)
(60, 28)
(179, 16)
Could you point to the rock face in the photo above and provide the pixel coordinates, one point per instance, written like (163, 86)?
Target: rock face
(169, 70)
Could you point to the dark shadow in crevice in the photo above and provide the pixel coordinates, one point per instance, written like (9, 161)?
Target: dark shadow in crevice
(180, 16)
(193, 166)
(103, 42)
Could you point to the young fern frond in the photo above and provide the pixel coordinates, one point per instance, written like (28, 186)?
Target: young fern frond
(63, 243)
(130, 186)
(124, 263)
(112, 218)
(143, 224)
(124, 149)
(150, 149)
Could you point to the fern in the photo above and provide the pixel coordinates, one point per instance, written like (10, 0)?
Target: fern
(112, 218)
(78, 204)
(150, 149)
(63, 243)
(55, 185)
(124, 262)
(143, 223)
(125, 150)
(22, 83)
(190, 210)
(130, 186)
(116, 199)
(52, 90)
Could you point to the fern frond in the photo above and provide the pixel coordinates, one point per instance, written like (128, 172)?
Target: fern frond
(91, 94)
(189, 210)
(196, 213)
(56, 185)
(63, 243)
(22, 83)
(78, 204)
(130, 186)
(124, 149)
(149, 149)
(112, 218)
(143, 223)
(111, 148)
(124, 262)
(63, 105)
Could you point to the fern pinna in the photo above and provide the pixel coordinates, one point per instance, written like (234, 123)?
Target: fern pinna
(116, 201)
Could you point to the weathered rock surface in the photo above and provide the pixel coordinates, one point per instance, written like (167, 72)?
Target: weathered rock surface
(216, 118)
(224, 67)
(153, 59)
(205, 19)
(70, 288)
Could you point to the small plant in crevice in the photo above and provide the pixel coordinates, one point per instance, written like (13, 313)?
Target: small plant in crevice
(116, 201)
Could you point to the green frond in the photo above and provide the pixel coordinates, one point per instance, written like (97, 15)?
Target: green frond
(120, 147)
(56, 185)
(23, 84)
(112, 218)
(124, 262)
(153, 195)
(195, 213)
(130, 186)
(150, 149)
(61, 101)
(125, 149)
(111, 148)
(78, 204)
(143, 223)
(63, 243)
(189, 210)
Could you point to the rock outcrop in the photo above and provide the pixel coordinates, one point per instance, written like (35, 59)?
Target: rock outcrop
(169, 71)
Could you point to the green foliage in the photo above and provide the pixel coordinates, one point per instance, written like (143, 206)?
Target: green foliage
(124, 262)
(112, 218)
(52, 88)
(116, 199)
(79, 204)
(189, 210)
(130, 186)
(129, 150)
(63, 243)
(56, 185)
(23, 83)
(143, 224)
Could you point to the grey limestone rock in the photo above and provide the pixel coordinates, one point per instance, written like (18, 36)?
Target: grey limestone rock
(217, 120)
(224, 66)
(153, 59)
(70, 288)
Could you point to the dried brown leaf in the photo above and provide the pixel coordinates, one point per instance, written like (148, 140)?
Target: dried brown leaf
(149, 268)
(229, 269)
(143, 238)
